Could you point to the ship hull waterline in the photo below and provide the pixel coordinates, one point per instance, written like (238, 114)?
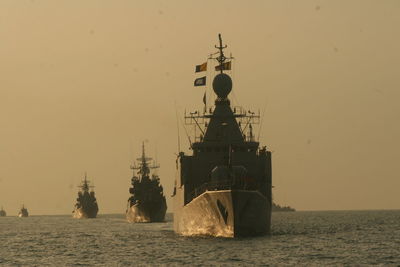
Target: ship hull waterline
(80, 213)
(225, 213)
(138, 214)
(23, 214)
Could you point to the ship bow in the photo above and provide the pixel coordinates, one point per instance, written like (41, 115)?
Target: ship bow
(226, 213)
(251, 213)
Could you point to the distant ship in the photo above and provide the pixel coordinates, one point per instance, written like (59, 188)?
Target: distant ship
(86, 203)
(276, 207)
(23, 212)
(3, 213)
(224, 187)
(147, 203)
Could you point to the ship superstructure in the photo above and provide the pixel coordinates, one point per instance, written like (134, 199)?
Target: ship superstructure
(224, 187)
(147, 202)
(86, 203)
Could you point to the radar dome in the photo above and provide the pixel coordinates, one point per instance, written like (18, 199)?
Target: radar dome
(222, 85)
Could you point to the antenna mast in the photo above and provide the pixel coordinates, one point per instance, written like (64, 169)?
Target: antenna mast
(177, 126)
(221, 59)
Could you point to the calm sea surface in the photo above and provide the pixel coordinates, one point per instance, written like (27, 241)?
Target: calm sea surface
(305, 238)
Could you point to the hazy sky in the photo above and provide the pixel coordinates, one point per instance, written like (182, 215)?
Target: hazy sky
(82, 83)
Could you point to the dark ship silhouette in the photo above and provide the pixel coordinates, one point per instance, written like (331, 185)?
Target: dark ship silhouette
(224, 187)
(277, 207)
(86, 203)
(3, 213)
(147, 203)
(23, 212)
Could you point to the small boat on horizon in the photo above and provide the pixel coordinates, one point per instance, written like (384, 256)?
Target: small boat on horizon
(3, 213)
(279, 208)
(23, 212)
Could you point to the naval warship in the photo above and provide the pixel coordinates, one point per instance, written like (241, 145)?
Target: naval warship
(224, 185)
(23, 212)
(86, 203)
(147, 202)
(2, 212)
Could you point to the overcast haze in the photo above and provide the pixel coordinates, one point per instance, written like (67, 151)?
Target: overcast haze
(83, 83)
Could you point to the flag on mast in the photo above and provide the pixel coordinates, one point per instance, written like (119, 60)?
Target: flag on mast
(224, 66)
(202, 67)
(200, 81)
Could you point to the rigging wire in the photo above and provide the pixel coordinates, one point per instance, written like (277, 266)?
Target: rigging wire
(177, 126)
(262, 119)
(183, 124)
(233, 73)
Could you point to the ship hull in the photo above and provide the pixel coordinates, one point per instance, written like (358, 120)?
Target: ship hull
(146, 213)
(81, 213)
(21, 215)
(225, 213)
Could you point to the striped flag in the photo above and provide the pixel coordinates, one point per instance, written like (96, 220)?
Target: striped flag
(224, 66)
(202, 67)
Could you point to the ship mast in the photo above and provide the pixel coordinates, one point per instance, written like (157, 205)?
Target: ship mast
(221, 59)
(85, 187)
(144, 168)
(245, 119)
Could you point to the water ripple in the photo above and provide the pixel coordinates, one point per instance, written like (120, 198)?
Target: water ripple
(305, 238)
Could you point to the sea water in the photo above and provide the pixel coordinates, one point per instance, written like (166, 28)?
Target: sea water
(298, 238)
